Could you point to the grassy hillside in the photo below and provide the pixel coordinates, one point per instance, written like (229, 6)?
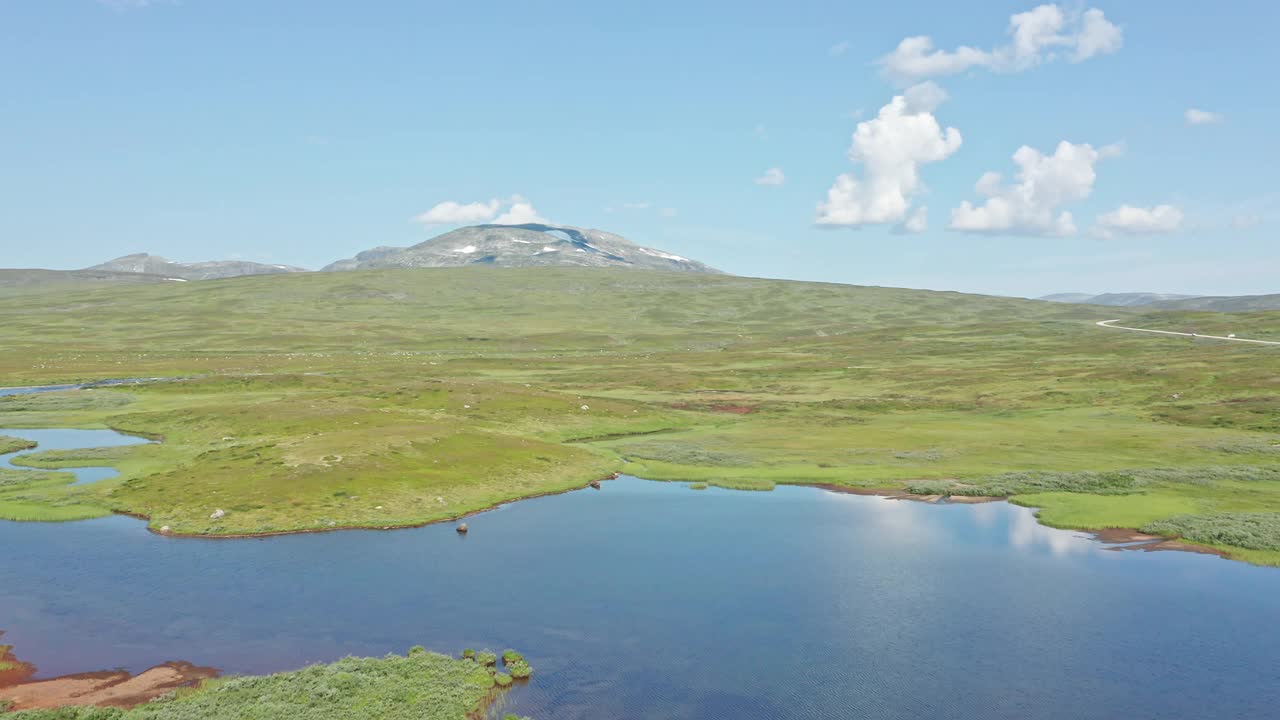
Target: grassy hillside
(382, 398)
(1254, 325)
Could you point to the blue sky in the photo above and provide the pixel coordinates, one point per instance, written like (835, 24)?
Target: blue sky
(300, 132)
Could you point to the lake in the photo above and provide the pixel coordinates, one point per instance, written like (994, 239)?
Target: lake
(652, 600)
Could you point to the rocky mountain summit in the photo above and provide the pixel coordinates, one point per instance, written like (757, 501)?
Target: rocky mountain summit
(531, 245)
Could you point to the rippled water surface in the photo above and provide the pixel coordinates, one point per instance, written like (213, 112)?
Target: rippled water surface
(651, 600)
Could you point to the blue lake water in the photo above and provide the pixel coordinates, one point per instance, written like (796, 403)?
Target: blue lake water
(65, 439)
(651, 600)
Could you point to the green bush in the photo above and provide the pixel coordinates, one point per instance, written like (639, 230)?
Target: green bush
(486, 657)
(1253, 531)
(468, 654)
(520, 669)
(502, 679)
(1117, 482)
(509, 656)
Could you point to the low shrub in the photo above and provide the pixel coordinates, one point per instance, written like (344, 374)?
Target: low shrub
(1252, 531)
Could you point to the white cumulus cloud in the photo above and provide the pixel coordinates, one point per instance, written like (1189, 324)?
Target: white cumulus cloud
(890, 149)
(1036, 36)
(772, 176)
(520, 212)
(1130, 220)
(918, 222)
(450, 212)
(1031, 206)
(1195, 116)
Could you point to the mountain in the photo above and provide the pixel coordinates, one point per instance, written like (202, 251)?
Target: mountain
(1240, 303)
(144, 264)
(1116, 299)
(532, 245)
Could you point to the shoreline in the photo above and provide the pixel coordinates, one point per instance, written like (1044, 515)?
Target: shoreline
(1149, 544)
(1139, 541)
(371, 528)
(105, 688)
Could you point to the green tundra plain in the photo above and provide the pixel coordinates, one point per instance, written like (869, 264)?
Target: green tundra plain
(389, 398)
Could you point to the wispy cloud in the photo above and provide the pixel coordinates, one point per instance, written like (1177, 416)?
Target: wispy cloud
(1130, 220)
(126, 4)
(838, 49)
(1195, 116)
(772, 176)
(1037, 36)
(643, 206)
(1245, 222)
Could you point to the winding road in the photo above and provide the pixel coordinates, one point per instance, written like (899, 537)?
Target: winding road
(1107, 324)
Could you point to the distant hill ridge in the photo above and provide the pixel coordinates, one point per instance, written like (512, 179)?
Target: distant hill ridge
(1230, 303)
(145, 264)
(1115, 299)
(1169, 301)
(530, 245)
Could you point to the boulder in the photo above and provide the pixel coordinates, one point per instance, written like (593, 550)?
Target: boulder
(462, 529)
(218, 514)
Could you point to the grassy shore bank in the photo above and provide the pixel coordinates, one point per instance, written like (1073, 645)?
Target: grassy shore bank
(390, 398)
(417, 686)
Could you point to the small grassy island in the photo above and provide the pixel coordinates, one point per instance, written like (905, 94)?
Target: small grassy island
(13, 444)
(418, 686)
(391, 398)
